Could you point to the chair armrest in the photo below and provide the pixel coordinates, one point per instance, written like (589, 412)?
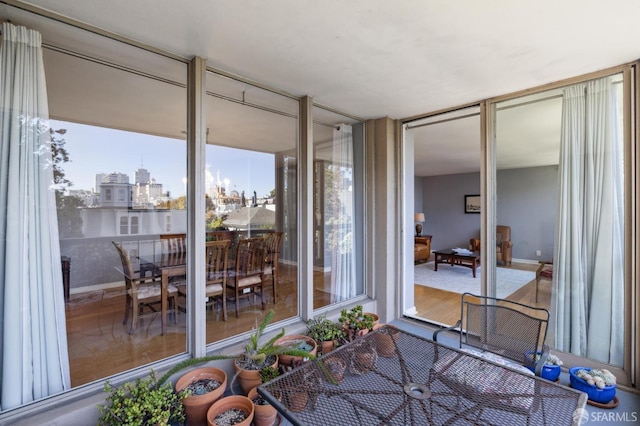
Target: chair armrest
(453, 327)
(475, 244)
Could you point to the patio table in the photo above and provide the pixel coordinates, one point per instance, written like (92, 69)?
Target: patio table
(393, 377)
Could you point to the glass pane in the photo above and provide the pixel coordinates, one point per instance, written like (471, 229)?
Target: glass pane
(338, 188)
(446, 164)
(251, 180)
(560, 189)
(120, 138)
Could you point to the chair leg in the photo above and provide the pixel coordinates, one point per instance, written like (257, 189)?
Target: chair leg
(261, 293)
(224, 307)
(237, 300)
(175, 308)
(134, 318)
(126, 309)
(274, 280)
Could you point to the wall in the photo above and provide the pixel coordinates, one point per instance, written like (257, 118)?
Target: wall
(526, 200)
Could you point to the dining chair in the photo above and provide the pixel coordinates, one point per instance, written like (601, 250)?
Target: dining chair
(216, 255)
(272, 243)
(142, 292)
(248, 273)
(173, 243)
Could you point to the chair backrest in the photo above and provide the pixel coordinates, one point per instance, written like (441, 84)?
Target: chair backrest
(173, 243)
(273, 241)
(509, 329)
(127, 267)
(503, 233)
(216, 253)
(250, 256)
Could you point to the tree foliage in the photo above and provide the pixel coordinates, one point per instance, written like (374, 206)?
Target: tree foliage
(69, 215)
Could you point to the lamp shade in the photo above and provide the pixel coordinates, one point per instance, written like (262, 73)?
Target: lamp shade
(418, 217)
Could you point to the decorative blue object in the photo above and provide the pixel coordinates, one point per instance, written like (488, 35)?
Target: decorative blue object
(602, 396)
(550, 372)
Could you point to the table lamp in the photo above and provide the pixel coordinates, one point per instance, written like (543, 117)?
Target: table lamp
(419, 218)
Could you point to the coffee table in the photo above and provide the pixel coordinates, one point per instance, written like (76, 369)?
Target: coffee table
(452, 257)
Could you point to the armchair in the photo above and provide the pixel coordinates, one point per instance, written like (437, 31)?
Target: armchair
(422, 249)
(503, 244)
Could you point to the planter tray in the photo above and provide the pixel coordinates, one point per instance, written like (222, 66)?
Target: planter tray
(611, 404)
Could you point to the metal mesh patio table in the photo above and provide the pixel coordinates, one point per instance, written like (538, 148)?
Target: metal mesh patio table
(392, 377)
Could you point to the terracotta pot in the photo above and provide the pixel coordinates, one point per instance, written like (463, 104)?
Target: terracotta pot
(227, 403)
(376, 318)
(297, 400)
(327, 346)
(196, 406)
(249, 378)
(264, 415)
(289, 360)
(385, 340)
(336, 367)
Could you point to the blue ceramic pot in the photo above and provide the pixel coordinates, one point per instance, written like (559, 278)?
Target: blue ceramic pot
(602, 396)
(549, 371)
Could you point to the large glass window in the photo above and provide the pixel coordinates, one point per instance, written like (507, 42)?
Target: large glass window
(117, 135)
(560, 195)
(338, 228)
(251, 160)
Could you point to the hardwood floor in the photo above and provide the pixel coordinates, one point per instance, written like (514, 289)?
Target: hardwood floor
(444, 306)
(100, 346)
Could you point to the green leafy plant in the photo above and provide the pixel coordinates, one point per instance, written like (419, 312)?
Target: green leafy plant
(354, 319)
(143, 402)
(268, 373)
(255, 355)
(322, 329)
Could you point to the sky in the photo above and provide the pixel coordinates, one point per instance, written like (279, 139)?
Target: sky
(94, 150)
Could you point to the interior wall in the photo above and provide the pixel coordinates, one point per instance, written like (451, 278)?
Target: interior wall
(526, 201)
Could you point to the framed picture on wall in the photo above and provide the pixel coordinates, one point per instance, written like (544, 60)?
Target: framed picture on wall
(472, 203)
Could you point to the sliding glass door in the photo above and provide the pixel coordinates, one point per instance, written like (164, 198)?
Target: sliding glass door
(560, 187)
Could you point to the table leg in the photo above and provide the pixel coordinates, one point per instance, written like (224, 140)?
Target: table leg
(473, 268)
(163, 300)
(436, 262)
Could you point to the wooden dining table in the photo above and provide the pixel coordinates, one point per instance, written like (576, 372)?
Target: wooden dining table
(166, 265)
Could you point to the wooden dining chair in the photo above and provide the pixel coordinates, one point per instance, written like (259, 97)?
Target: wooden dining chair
(248, 273)
(173, 243)
(273, 241)
(142, 292)
(216, 255)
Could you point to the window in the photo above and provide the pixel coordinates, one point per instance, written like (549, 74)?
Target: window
(134, 225)
(124, 225)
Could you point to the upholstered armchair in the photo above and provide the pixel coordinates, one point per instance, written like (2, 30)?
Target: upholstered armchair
(503, 244)
(422, 248)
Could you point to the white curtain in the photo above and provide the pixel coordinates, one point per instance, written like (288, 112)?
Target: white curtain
(33, 353)
(589, 260)
(343, 271)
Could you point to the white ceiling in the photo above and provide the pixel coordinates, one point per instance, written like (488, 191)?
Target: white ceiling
(373, 58)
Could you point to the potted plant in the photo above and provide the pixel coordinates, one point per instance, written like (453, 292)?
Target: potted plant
(296, 342)
(550, 370)
(325, 332)
(142, 402)
(231, 410)
(265, 414)
(386, 339)
(205, 385)
(599, 385)
(355, 322)
(255, 356)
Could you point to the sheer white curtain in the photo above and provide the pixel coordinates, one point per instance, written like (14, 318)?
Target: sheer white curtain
(343, 269)
(589, 260)
(33, 354)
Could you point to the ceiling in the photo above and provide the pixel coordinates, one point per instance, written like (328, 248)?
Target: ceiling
(374, 58)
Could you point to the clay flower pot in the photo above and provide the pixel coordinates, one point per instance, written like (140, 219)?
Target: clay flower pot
(297, 400)
(336, 367)
(196, 406)
(227, 403)
(293, 341)
(327, 346)
(385, 340)
(264, 415)
(376, 318)
(249, 379)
